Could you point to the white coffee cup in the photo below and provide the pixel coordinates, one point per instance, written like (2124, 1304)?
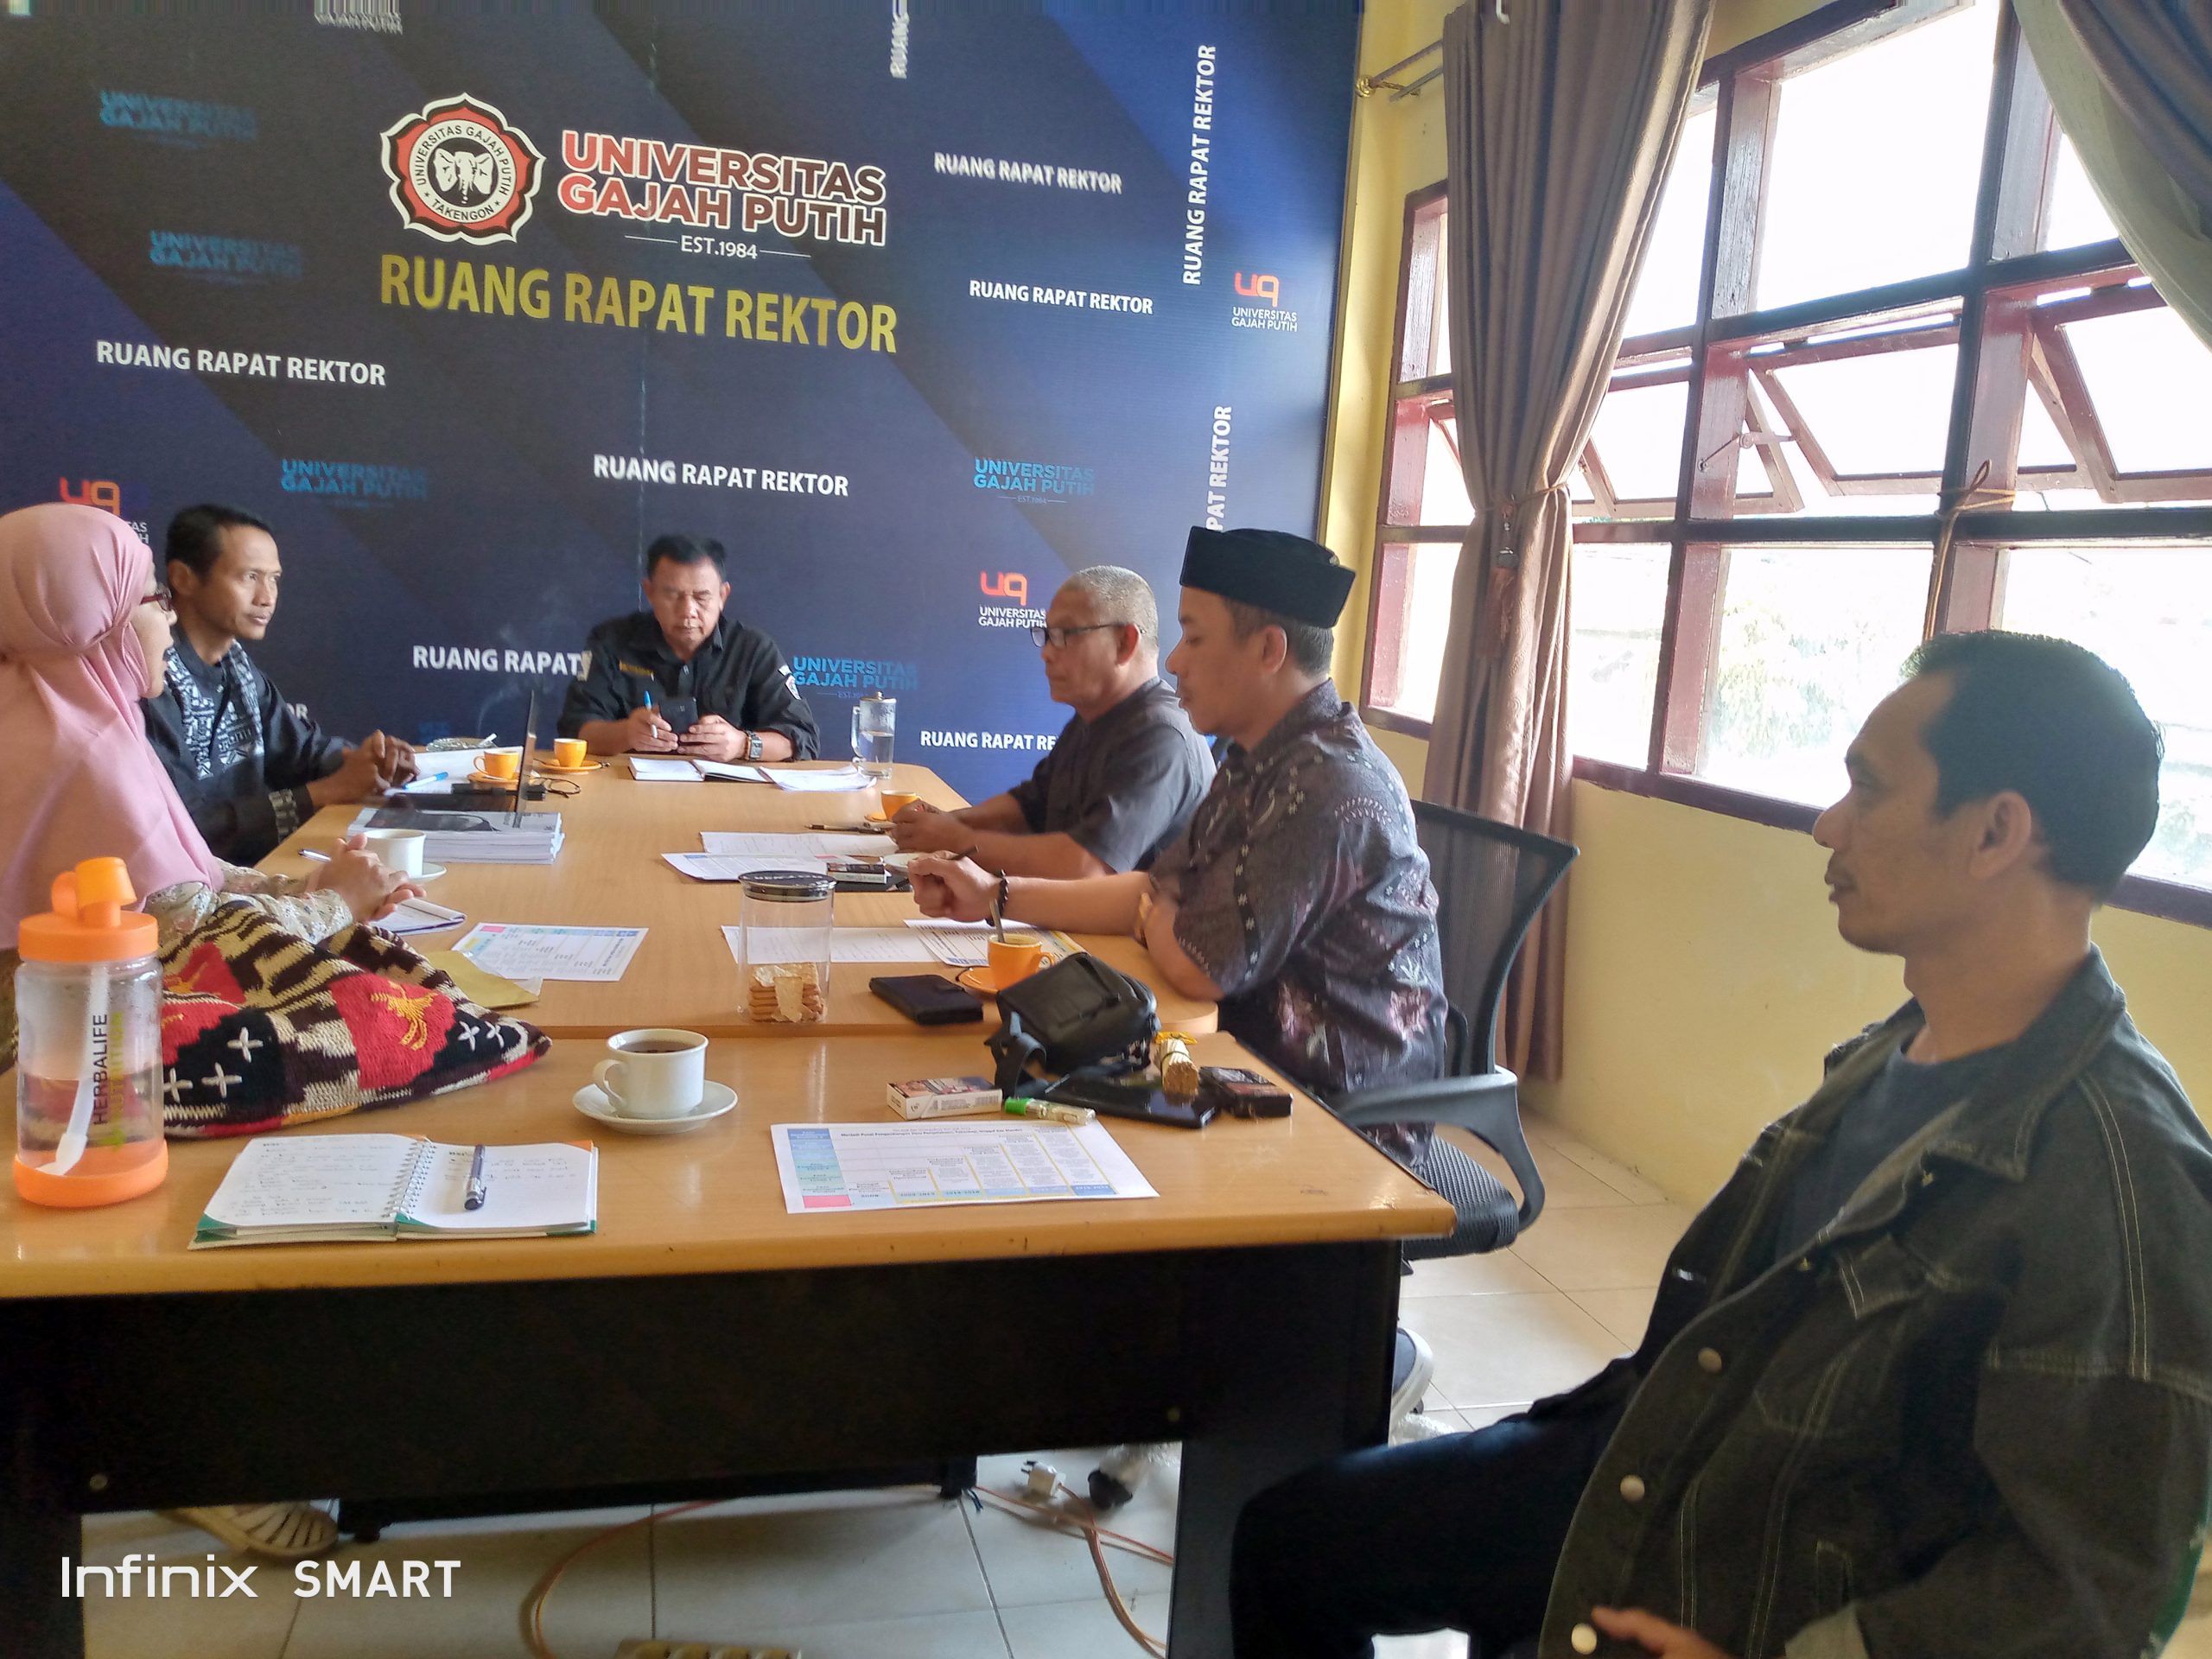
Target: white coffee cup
(398, 849)
(657, 1071)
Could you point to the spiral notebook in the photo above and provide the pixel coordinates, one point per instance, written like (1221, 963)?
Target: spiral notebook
(322, 1189)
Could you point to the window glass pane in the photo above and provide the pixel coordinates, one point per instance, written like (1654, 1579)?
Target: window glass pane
(1620, 600)
(2075, 215)
(1440, 333)
(2147, 612)
(1877, 159)
(1665, 295)
(1637, 439)
(1412, 610)
(2151, 381)
(1884, 412)
(1811, 638)
(1443, 485)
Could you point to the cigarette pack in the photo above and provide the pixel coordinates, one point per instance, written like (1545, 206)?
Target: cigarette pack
(943, 1097)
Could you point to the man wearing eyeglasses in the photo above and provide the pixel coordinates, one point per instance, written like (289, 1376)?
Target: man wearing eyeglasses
(1125, 774)
(735, 694)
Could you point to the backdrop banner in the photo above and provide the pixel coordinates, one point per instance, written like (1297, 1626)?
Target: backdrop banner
(916, 311)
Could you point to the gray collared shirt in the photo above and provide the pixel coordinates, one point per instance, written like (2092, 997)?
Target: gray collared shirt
(1122, 786)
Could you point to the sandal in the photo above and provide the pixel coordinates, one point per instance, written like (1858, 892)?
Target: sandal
(280, 1529)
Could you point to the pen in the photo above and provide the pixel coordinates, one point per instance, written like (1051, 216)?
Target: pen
(844, 828)
(1050, 1113)
(475, 1198)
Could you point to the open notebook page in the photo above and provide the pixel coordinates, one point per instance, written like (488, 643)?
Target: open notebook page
(553, 1187)
(315, 1181)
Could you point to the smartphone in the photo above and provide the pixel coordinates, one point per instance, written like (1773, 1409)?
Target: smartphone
(1139, 1100)
(682, 714)
(928, 999)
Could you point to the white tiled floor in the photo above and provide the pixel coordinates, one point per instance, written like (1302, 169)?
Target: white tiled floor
(901, 1575)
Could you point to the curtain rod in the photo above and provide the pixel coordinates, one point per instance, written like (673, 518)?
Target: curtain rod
(1368, 86)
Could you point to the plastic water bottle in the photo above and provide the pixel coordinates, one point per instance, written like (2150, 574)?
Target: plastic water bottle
(88, 1067)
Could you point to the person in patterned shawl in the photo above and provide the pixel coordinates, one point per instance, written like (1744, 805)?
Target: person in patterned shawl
(1298, 899)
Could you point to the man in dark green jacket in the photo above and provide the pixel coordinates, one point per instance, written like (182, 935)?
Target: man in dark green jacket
(1931, 1376)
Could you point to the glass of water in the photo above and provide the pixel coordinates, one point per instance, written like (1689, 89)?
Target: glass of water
(875, 719)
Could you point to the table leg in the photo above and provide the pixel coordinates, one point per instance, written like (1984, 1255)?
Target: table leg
(1296, 1348)
(36, 1621)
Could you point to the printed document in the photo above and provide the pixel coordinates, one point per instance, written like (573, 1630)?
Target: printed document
(804, 844)
(845, 944)
(515, 951)
(842, 1167)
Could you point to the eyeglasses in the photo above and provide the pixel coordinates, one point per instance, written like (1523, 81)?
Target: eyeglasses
(160, 599)
(1058, 637)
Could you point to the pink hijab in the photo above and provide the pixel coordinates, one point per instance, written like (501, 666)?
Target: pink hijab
(77, 779)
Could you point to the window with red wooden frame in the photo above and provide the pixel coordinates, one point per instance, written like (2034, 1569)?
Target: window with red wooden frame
(1843, 323)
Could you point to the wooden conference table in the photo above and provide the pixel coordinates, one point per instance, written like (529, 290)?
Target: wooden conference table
(610, 874)
(703, 1334)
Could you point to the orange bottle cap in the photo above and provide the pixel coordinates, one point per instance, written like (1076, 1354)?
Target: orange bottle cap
(88, 922)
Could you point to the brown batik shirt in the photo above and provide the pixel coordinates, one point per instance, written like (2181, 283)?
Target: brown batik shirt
(1303, 894)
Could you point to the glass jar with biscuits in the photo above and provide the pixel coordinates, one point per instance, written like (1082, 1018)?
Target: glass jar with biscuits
(784, 920)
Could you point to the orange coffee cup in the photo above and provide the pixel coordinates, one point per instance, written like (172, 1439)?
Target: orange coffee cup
(568, 751)
(896, 801)
(500, 763)
(1014, 960)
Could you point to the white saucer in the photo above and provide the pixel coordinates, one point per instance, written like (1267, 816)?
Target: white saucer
(430, 873)
(591, 1100)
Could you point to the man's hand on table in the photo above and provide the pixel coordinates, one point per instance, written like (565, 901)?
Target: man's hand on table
(360, 777)
(648, 733)
(958, 889)
(394, 757)
(713, 738)
(920, 828)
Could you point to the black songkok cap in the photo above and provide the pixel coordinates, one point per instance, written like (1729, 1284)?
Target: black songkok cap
(1271, 569)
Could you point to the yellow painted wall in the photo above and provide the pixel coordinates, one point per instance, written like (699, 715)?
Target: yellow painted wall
(1705, 978)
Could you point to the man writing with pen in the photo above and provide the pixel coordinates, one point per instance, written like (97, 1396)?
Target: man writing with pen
(684, 677)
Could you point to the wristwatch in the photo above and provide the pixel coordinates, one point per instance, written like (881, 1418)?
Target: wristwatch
(754, 746)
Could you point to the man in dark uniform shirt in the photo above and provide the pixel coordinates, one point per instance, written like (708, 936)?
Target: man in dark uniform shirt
(250, 767)
(1127, 771)
(746, 705)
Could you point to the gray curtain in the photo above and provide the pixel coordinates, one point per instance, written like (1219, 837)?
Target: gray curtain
(1560, 119)
(2131, 80)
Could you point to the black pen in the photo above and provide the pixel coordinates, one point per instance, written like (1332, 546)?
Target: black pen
(475, 1197)
(846, 829)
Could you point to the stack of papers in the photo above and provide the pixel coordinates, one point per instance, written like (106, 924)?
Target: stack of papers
(836, 778)
(842, 1167)
(472, 837)
(845, 944)
(803, 845)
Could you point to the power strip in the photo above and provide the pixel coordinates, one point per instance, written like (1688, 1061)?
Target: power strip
(639, 1648)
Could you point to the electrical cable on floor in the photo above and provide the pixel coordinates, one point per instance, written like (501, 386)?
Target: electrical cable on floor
(1077, 1513)
(533, 1606)
(1074, 1519)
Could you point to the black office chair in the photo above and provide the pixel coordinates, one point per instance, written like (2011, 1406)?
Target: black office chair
(1491, 879)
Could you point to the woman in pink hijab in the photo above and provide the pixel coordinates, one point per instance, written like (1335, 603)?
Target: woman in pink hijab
(83, 628)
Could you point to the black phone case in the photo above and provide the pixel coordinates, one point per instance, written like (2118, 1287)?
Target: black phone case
(928, 999)
(682, 714)
(1138, 1100)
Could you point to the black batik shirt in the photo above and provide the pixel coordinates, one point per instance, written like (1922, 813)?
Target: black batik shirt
(240, 756)
(1302, 892)
(1122, 786)
(737, 673)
